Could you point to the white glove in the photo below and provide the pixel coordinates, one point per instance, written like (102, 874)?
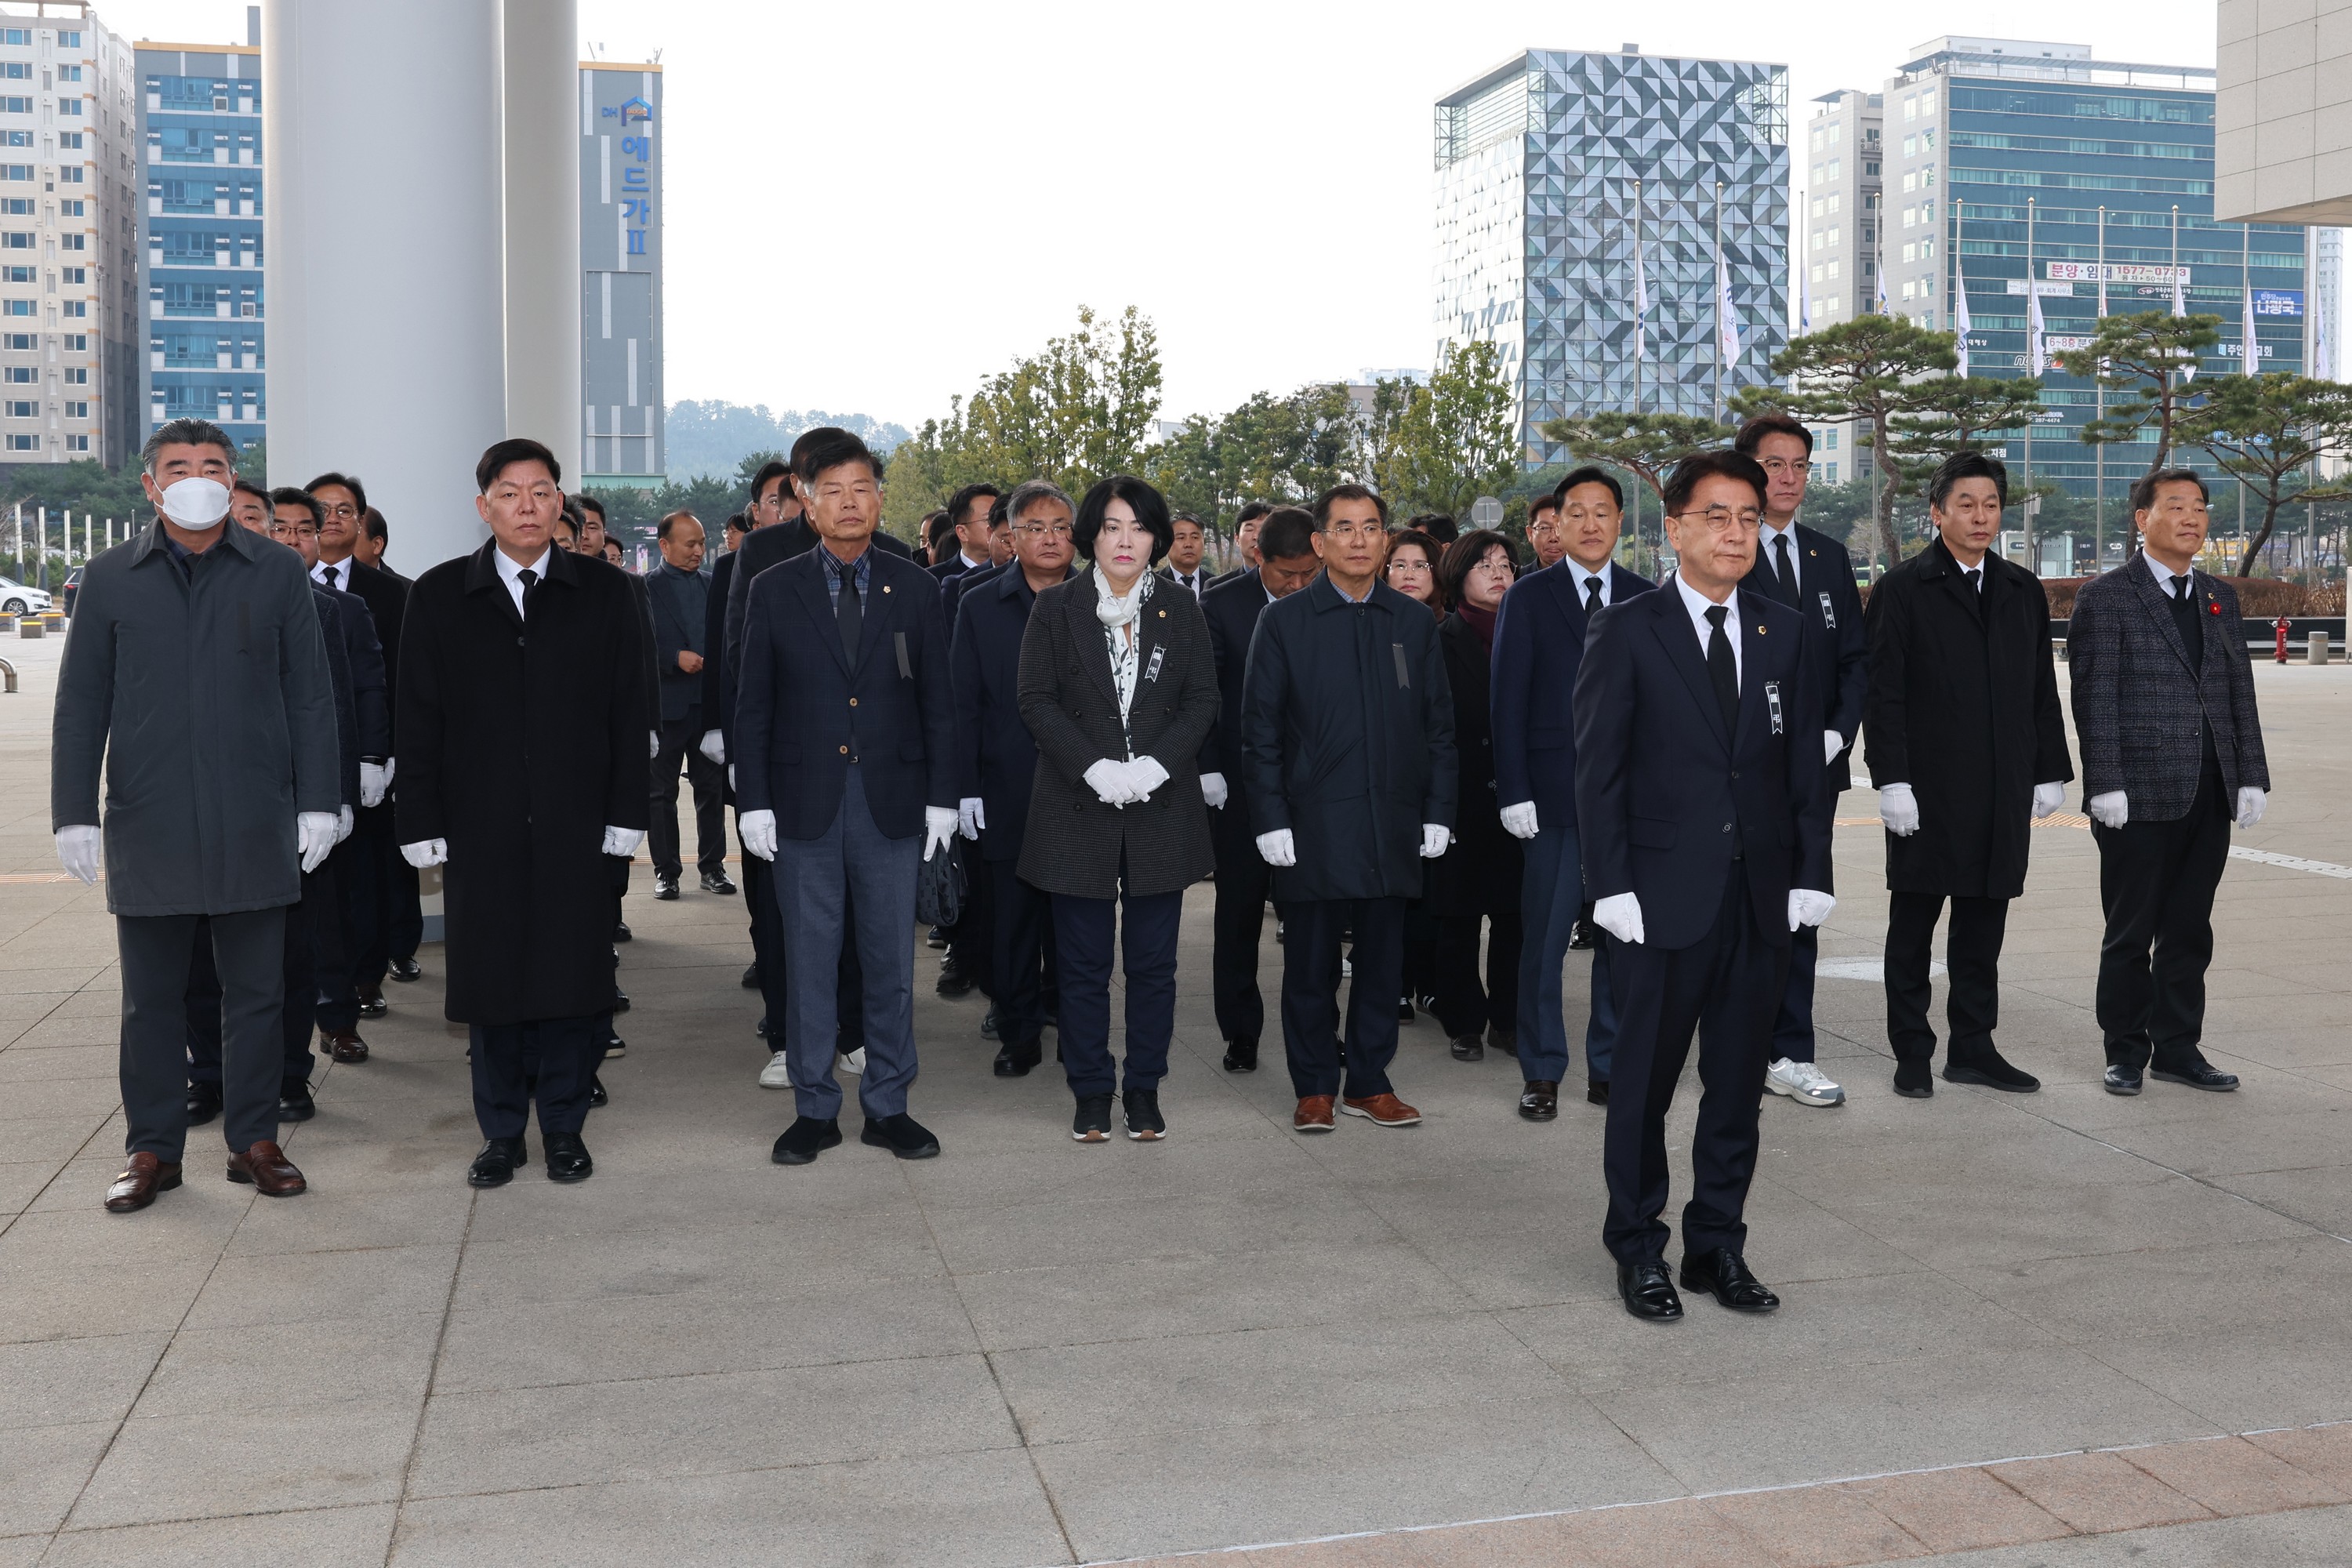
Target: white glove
(1111, 784)
(1520, 821)
(1899, 810)
(375, 778)
(714, 746)
(1831, 744)
(1213, 791)
(2252, 803)
(757, 829)
(1619, 914)
(2109, 810)
(342, 823)
(1277, 848)
(623, 841)
(425, 852)
(938, 828)
(1433, 840)
(1145, 775)
(653, 748)
(78, 852)
(2048, 797)
(314, 836)
(1807, 907)
(972, 817)
(731, 775)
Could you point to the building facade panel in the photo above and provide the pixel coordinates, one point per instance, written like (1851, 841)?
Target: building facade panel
(620, 330)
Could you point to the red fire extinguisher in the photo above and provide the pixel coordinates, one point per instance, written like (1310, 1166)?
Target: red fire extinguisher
(2281, 625)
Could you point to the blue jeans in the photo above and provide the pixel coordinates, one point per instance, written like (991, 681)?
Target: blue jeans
(1551, 893)
(852, 861)
(1082, 932)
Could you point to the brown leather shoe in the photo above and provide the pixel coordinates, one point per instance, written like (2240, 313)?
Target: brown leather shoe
(1541, 1102)
(266, 1167)
(141, 1179)
(1382, 1110)
(1313, 1115)
(344, 1045)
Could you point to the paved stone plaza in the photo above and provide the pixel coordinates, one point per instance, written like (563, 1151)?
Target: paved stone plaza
(1028, 1351)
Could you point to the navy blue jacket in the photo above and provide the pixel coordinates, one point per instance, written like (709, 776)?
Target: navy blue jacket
(954, 589)
(1663, 795)
(1835, 642)
(1232, 607)
(1538, 643)
(339, 675)
(717, 675)
(802, 713)
(997, 754)
(766, 547)
(370, 678)
(681, 610)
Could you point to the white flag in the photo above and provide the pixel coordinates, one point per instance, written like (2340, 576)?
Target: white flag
(2253, 349)
(1805, 304)
(2036, 352)
(1641, 301)
(2103, 292)
(1960, 325)
(1727, 323)
(2179, 291)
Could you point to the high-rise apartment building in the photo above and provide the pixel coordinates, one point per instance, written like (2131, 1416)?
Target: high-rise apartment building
(1839, 198)
(67, 264)
(620, 259)
(1553, 169)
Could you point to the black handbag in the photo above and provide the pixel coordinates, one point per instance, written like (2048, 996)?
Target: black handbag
(939, 886)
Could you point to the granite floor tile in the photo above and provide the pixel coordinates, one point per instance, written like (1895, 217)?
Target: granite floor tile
(354, 1537)
(47, 1468)
(1958, 1509)
(219, 1464)
(2231, 1476)
(2099, 1493)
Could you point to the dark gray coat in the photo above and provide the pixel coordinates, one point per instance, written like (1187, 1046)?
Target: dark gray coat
(208, 701)
(2138, 704)
(1074, 843)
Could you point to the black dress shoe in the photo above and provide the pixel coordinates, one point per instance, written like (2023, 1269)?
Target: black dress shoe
(1404, 1009)
(1724, 1275)
(374, 1005)
(620, 1000)
(1539, 1101)
(1596, 1091)
(1914, 1080)
(666, 888)
(567, 1158)
(1989, 1071)
(717, 882)
(294, 1101)
(1468, 1048)
(988, 1025)
(2120, 1080)
(1015, 1061)
(902, 1135)
(405, 969)
(1240, 1056)
(2198, 1075)
(954, 979)
(751, 977)
(597, 1097)
(805, 1138)
(203, 1103)
(622, 933)
(1647, 1292)
(495, 1166)
(761, 1028)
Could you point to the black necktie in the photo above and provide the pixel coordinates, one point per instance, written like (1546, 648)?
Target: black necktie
(1976, 580)
(527, 577)
(331, 577)
(1592, 595)
(1787, 570)
(1724, 668)
(851, 615)
(2180, 590)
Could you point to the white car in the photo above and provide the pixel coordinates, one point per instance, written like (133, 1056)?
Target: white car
(16, 599)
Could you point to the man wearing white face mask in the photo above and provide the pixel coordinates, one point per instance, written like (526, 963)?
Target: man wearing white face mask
(197, 677)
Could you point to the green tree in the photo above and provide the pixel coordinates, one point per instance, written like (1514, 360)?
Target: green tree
(2148, 361)
(1281, 449)
(1644, 446)
(1952, 413)
(1454, 439)
(2269, 432)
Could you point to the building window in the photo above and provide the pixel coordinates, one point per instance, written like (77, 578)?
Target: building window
(76, 342)
(76, 410)
(24, 342)
(16, 408)
(16, 70)
(76, 443)
(17, 308)
(70, 139)
(69, 73)
(16, 106)
(74, 274)
(73, 242)
(24, 443)
(76, 307)
(16, 275)
(1829, 444)
(21, 375)
(1833, 473)
(70, 106)
(71, 40)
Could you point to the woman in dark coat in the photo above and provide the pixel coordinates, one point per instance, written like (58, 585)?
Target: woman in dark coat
(1412, 569)
(1477, 880)
(1119, 687)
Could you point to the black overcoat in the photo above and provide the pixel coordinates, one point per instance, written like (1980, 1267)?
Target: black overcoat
(1479, 874)
(521, 745)
(993, 746)
(1074, 843)
(1348, 739)
(1963, 707)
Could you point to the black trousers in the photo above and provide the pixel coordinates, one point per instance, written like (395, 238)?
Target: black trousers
(1021, 917)
(1311, 934)
(1420, 964)
(379, 892)
(2156, 884)
(302, 923)
(1972, 956)
(681, 746)
(157, 954)
(1726, 984)
(1792, 1031)
(334, 949)
(767, 945)
(1147, 949)
(971, 942)
(1463, 1006)
(1243, 880)
(547, 1059)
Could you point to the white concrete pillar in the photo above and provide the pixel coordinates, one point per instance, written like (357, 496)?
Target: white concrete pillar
(386, 275)
(542, 226)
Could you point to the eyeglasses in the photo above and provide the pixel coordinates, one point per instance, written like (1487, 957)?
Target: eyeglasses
(1397, 567)
(1505, 567)
(342, 513)
(292, 531)
(1354, 531)
(1723, 520)
(1776, 466)
(1044, 529)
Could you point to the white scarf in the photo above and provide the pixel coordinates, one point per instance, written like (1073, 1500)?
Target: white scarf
(1117, 615)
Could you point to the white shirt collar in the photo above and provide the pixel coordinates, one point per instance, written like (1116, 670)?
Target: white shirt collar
(342, 570)
(1580, 575)
(2164, 576)
(509, 570)
(969, 564)
(1767, 534)
(1697, 604)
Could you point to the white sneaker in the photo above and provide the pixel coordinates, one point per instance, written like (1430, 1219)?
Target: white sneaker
(777, 1074)
(1803, 1082)
(855, 1060)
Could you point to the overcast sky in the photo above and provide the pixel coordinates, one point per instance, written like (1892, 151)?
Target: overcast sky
(871, 206)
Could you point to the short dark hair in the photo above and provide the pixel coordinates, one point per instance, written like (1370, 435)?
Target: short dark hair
(287, 495)
(351, 483)
(1252, 509)
(736, 523)
(184, 433)
(1590, 474)
(1466, 552)
(1286, 534)
(1151, 510)
(938, 524)
(1029, 492)
(1717, 463)
(239, 482)
(662, 529)
(2143, 489)
(371, 523)
(1436, 524)
(960, 502)
(1176, 516)
(589, 503)
(1324, 503)
(1771, 422)
(815, 436)
(572, 514)
(501, 456)
(1542, 501)
(1967, 466)
(771, 470)
(835, 450)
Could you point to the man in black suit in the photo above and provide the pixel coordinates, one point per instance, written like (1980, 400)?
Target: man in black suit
(1233, 605)
(1538, 645)
(1698, 776)
(1184, 556)
(999, 759)
(969, 511)
(1968, 743)
(678, 592)
(1247, 524)
(790, 535)
(2152, 646)
(1812, 574)
(846, 765)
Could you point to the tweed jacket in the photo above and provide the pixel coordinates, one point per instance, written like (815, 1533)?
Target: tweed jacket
(2138, 705)
(1073, 842)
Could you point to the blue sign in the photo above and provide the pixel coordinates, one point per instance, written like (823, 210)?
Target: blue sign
(2278, 302)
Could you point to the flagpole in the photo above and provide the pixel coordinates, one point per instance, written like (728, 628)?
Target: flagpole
(1640, 329)
(1719, 302)
(2034, 367)
(2099, 412)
